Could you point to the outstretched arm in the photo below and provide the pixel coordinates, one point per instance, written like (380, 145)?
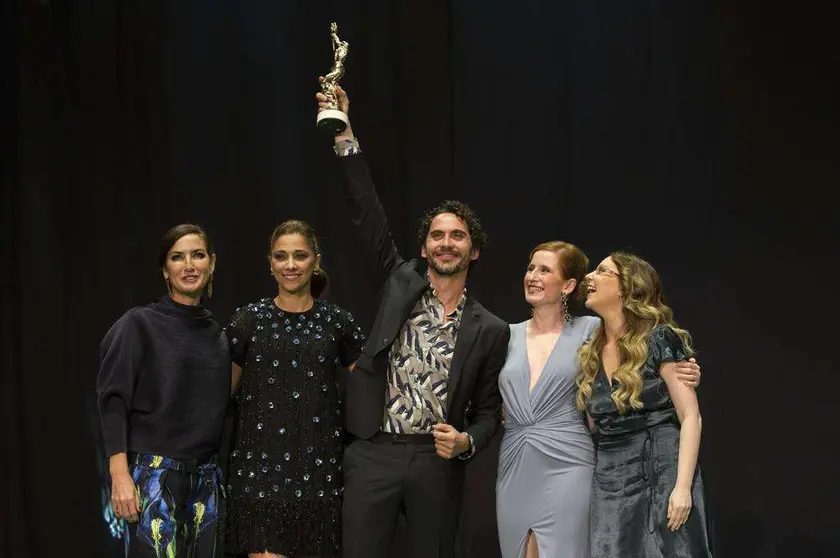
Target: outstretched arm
(366, 211)
(334, 33)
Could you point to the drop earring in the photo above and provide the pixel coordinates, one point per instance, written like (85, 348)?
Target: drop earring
(564, 300)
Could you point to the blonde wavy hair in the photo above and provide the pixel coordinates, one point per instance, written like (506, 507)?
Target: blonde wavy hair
(644, 308)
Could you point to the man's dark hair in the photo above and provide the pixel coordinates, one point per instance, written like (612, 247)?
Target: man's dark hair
(463, 212)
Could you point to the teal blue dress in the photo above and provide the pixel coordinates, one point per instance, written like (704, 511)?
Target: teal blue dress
(636, 468)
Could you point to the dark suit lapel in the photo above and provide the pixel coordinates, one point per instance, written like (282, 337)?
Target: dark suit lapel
(416, 286)
(470, 326)
(415, 290)
(404, 301)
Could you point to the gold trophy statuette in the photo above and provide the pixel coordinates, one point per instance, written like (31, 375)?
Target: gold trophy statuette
(332, 118)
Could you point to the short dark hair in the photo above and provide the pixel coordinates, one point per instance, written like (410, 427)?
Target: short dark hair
(177, 232)
(319, 285)
(464, 213)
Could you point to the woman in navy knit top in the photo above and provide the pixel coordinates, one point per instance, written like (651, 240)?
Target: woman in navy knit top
(163, 389)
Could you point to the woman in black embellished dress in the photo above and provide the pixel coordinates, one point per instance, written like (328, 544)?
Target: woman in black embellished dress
(285, 478)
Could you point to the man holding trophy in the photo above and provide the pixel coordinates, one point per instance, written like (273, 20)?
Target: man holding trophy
(423, 396)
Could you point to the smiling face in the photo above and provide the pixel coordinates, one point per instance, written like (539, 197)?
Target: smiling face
(544, 281)
(448, 247)
(603, 287)
(293, 262)
(188, 267)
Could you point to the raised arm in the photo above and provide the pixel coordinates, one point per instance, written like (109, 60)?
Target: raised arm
(366, 212)
(334, 35)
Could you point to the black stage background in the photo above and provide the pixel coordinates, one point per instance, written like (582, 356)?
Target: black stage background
(698, 134)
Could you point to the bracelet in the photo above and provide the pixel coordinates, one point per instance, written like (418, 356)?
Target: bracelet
(347, 147)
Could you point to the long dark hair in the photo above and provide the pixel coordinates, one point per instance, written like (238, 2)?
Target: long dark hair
(319, 285)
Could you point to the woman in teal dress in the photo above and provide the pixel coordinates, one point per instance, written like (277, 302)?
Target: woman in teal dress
(647, 492)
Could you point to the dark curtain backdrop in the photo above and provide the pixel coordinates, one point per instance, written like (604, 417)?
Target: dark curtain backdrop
(701, 135)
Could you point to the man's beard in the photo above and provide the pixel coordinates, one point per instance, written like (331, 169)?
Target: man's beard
(449, 268)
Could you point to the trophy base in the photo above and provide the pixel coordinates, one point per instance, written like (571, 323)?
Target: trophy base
(332, 120)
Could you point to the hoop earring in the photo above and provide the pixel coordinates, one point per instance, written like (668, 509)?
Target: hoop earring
(564, 300)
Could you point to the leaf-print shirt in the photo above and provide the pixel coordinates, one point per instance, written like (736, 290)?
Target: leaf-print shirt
(419, 365)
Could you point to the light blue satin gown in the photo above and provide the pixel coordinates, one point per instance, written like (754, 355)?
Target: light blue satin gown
(547, 455)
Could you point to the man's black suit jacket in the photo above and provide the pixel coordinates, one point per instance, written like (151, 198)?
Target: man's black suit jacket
(474, 403)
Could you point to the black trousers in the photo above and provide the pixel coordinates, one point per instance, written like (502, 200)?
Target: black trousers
(384, 478)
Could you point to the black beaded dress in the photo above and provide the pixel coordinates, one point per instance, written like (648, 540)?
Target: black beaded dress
(284, 474)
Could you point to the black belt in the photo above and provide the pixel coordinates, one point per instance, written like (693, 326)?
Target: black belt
(184, 466)
(403, 439)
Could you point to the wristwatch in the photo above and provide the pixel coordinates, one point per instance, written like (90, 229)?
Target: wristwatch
(470, 450)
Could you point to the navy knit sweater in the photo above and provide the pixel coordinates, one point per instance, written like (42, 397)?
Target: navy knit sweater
(164, 382)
